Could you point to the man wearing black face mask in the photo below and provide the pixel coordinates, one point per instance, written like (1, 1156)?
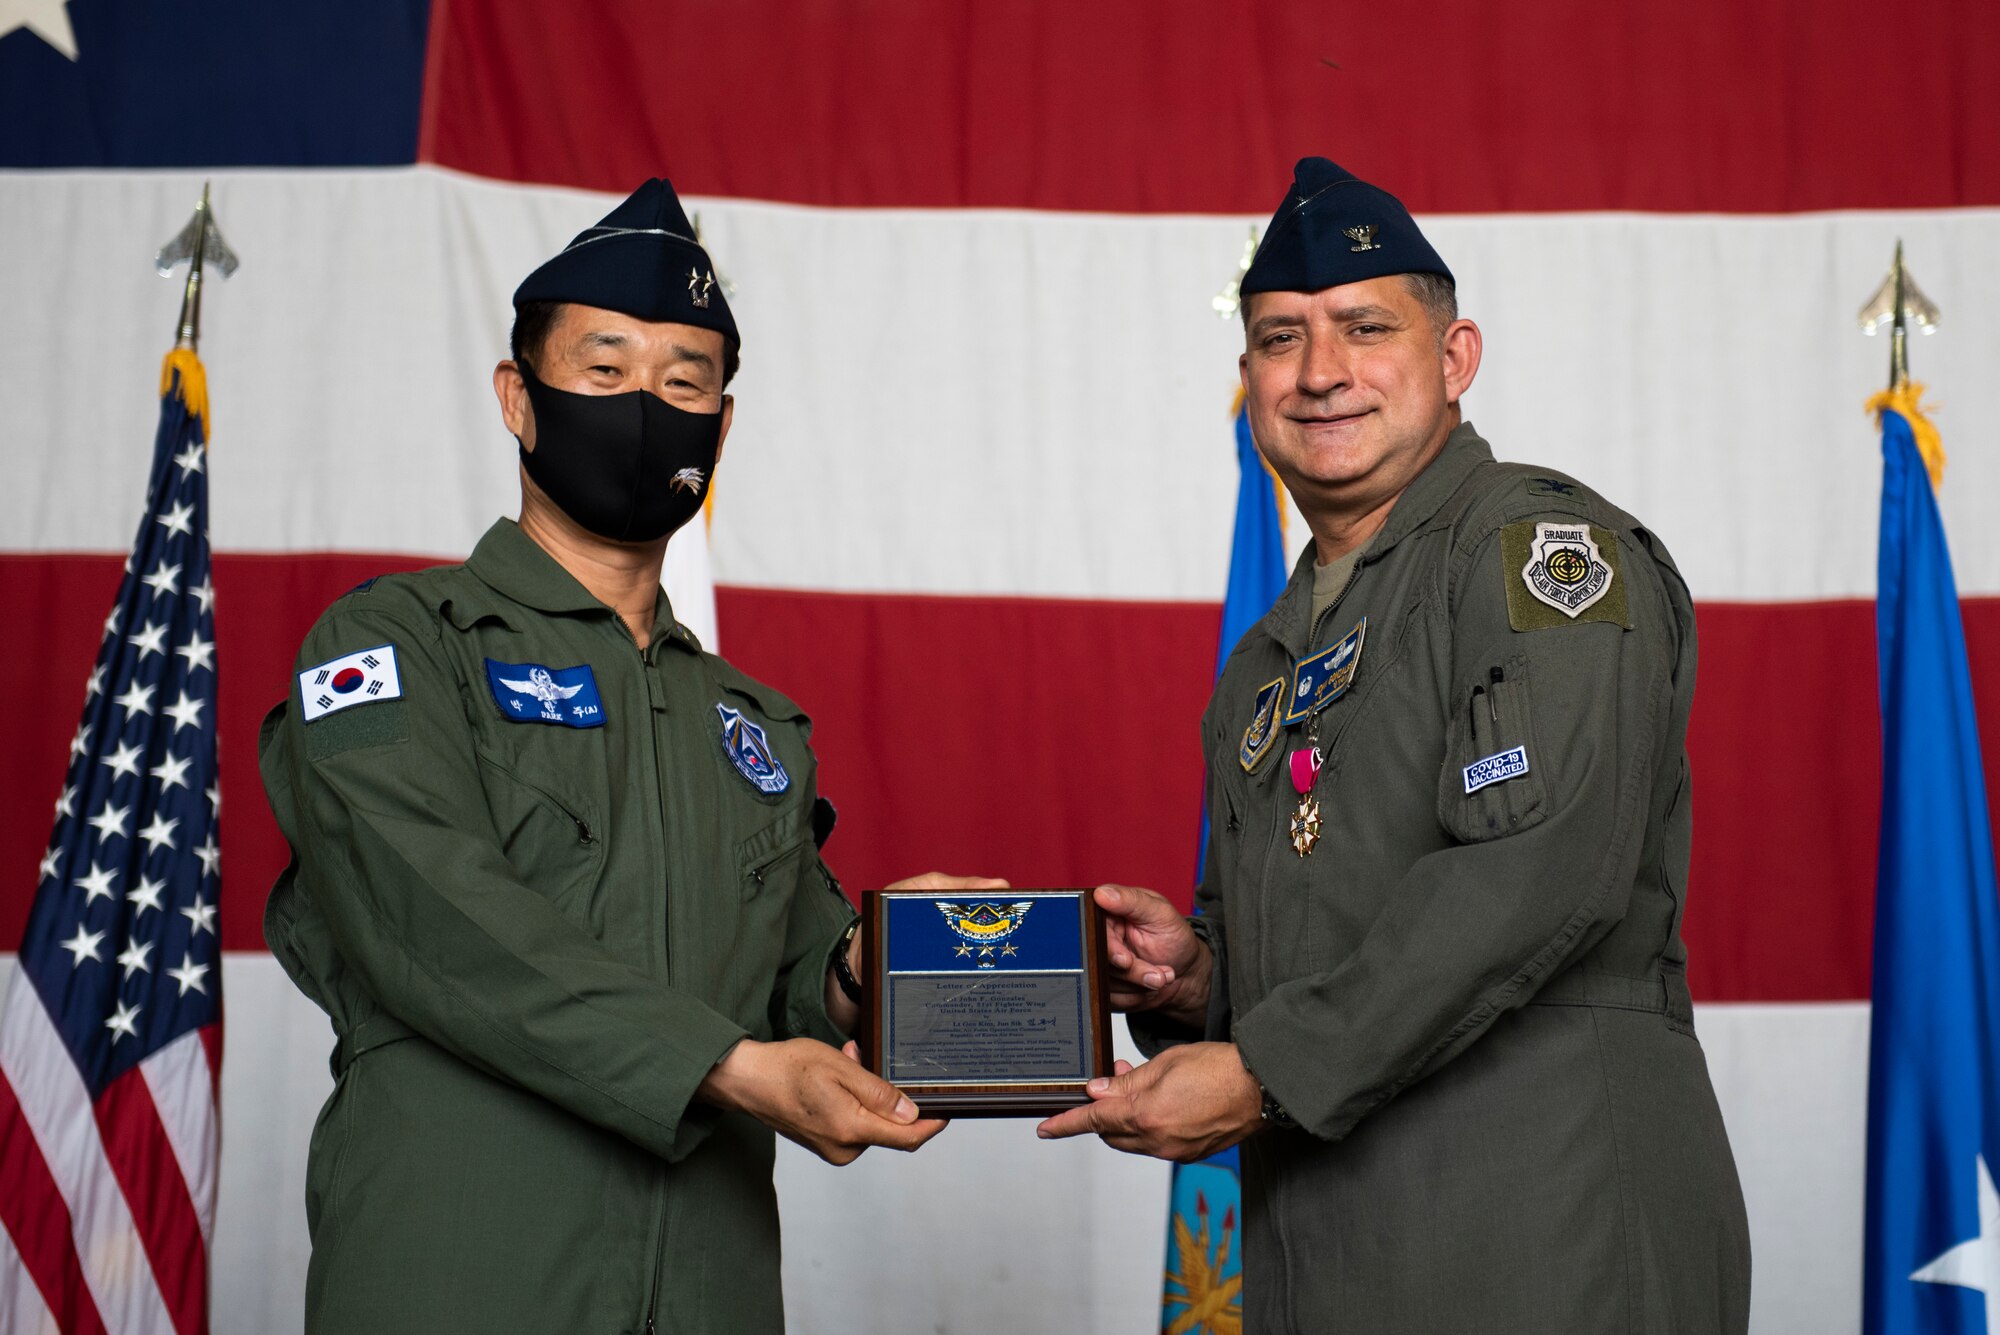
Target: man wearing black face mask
(556, 875)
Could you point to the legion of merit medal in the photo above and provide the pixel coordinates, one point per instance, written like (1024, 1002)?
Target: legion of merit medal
(1305, 820)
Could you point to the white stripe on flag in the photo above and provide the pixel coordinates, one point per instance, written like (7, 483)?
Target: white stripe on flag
(184, 1092)
(57, 1109)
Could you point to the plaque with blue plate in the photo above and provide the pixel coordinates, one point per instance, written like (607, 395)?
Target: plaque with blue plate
(985, 1005)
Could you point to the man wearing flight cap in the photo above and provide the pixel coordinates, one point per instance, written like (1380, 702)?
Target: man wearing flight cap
(556, 873)
(1438, 991)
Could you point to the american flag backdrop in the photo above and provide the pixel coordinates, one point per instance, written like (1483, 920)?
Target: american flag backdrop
(975, 510)
(111, 1040)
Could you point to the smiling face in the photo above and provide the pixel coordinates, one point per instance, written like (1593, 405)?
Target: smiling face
(589, 350)
(1351, 392)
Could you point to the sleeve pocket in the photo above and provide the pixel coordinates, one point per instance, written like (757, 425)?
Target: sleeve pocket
(1492, 783)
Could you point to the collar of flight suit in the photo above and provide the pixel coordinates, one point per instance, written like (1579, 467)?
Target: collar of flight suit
(1290, 619)
(514, 566)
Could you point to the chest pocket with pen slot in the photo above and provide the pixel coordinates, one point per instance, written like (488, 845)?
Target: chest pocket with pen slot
(1491, 784)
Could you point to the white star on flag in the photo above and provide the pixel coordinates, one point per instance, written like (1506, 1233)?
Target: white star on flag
(83, 945)
(198, 652)
(159, 833)
(137, 699)
(189, 975)
(205, 592)
(215, 798)
(123, 761)
(152, 640)
(109, 822)
(211, 858)
(95, 684)
(190, 461)
(66, 800)
(111, 621)
(176, 519)
(133, 957)
(201, 915)
(47, 19)
(124, 1022)
(50, 861)
(1974, 1263)
(81, 742)
(164, 579)
(145, 895)
(97, 885)
(185, 712)
(171, 771)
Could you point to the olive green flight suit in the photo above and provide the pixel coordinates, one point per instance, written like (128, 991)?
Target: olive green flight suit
(534, 941)
(1473, 1002)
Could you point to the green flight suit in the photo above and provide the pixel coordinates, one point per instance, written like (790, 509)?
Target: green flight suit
(1472, 994)
(534, 941)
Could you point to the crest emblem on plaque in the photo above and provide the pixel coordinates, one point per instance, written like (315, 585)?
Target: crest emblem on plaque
(983, 928)
(1363, 236)
(1565, 569)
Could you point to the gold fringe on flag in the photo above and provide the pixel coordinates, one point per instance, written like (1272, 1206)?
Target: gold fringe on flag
(1906, 399)
(193, 384)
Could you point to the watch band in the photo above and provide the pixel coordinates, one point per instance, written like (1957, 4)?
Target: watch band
(842, 974)
(1272, 1111)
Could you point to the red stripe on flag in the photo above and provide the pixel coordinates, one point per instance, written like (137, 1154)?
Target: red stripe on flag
(148, 1173)
(1136, 106)
(1067, 731)
(38, 1220)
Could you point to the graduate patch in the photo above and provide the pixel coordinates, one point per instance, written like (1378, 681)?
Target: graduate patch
(1557, 573)
(750, 751)
(1320, 680)
(362, 677)
(531, 693)
(1263, 729)
(1510, 764)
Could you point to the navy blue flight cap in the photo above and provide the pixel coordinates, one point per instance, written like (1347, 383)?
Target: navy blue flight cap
(641, 260)
(1335, 228)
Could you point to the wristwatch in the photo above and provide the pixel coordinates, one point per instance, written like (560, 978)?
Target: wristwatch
(842, 974)
(1273, 1112)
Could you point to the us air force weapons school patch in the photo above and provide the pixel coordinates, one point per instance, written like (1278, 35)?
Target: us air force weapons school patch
(1263, 729)
(1559, 573)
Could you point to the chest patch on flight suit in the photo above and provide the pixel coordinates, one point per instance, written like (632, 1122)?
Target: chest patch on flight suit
(359, 678)
(750, 751)
(1557, 573)
(1263, 729)
(1509, 764)
(531, 693)
(1320, 680)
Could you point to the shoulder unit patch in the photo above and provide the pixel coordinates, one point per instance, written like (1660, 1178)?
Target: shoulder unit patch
(1557, 573)
(750, 751)
(1263, 729)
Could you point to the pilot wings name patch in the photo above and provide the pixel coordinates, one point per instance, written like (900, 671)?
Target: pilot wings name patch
(362, 677)
(532, 693)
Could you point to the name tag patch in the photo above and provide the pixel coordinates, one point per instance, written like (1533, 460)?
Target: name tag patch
(1511, 764)
(1320, 680)
(532, 693)
(359, 678)
(750, 751)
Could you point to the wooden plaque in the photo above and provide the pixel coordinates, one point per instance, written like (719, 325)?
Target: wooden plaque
(985, 1005)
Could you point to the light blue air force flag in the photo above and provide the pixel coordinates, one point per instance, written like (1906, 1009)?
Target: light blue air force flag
(1932, 1254)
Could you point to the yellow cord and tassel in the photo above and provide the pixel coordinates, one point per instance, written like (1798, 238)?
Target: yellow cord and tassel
(1906, 399)
(193, 384)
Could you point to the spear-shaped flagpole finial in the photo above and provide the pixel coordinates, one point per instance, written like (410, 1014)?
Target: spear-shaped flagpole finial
(1899, 303)
(198, 243)
(1228, 301)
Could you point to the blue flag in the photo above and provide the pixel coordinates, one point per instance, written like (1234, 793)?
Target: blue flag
(1932, 1255)
(1202, 1290)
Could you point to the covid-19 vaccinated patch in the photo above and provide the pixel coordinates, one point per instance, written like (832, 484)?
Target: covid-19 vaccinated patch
(1324, 677)
(1263, 729)
(1559, 573)
(362, 677)
(532, 693)
(1509, 764)
(750, 751)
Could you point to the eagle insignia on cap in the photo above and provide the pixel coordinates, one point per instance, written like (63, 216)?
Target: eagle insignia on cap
(699, 286)
(1364, 236)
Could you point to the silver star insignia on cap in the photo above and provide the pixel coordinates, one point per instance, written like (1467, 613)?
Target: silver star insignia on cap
(699, 286)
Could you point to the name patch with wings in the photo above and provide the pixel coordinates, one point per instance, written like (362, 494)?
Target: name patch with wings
(531, 693)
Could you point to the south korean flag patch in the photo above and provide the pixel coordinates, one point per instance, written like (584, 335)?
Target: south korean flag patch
(364, 677)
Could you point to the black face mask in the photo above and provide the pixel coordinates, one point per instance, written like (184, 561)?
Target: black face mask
(629, 467)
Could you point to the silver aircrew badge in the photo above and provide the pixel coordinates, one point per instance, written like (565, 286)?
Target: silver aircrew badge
(1565, 569)
(699, 286)
(1363, 236)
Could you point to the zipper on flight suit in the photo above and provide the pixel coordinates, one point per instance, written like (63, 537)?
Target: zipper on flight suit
(656, 706)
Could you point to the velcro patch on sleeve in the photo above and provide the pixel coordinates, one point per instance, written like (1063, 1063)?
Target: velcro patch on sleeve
(1559, 572)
